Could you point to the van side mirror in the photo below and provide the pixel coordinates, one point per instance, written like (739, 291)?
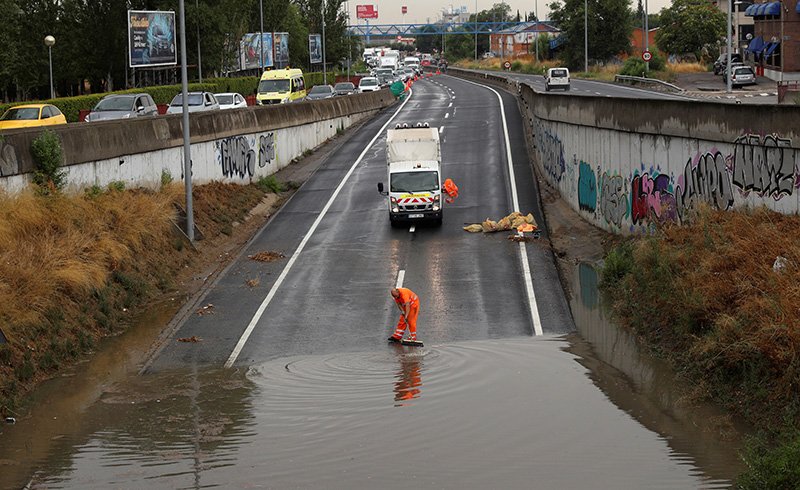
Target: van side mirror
(380, 189)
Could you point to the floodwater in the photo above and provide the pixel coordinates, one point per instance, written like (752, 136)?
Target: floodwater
(584, 411)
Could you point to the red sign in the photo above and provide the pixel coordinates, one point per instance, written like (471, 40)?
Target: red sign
(366, 12)
(647, 56)
(404, 9)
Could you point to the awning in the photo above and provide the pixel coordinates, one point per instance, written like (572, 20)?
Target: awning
(750, 11)
(760, 10)
(773, 8)
(797, 8)
(772, 47)
(756, 45)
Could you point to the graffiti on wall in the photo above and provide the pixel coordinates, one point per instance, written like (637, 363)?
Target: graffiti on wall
(551, 152)
(705, 179)
(613, 199)
(764, 165)
(237, 155)
(587, 187)
(652, 199)
(9, 165)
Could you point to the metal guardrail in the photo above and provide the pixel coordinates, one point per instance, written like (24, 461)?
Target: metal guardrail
(647, 81)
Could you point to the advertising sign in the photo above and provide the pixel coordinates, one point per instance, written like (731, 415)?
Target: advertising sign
(250, 51)
(366, 12)
(281, 49)
(315, 48)
(404, 9)
(151, 38)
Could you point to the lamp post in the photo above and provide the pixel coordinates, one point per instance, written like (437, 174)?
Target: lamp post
(585, 35)
(476, 30)
(187, 147)
(536, 13)
(261, 33)
(199, 59)
(736, 25)
(49, 41)
(728, 85)
(324, 69)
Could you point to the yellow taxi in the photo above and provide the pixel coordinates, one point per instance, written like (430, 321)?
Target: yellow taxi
(32, 115)
(281, 86)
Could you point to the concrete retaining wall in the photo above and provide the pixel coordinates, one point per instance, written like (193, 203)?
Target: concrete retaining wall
(229, 146)
(627, 164)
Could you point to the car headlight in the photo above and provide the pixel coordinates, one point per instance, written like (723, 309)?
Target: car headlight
(437, 202)
(285, 100)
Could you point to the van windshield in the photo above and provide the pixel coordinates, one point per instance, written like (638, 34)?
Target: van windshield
(414, 182)
(273, 86)
(559, 73)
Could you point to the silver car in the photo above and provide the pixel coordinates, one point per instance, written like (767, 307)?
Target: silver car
(123, 106)
(319, 92)
(198, 102)
(742, 75)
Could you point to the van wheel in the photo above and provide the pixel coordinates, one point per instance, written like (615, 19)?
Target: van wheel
(394, 222)
(567, 89)
(546, 87)
(438, 221)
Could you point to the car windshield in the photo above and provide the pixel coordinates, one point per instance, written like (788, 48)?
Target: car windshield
(22, 114)
(321, 89)
(225, 99)
(115, 104)
(368, 82)
(194, 99)
(345, 86)
(559, 73)
(273, 86)
(414, 181)
(743, 71)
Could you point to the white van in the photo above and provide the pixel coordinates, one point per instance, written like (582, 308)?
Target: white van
(556, 78)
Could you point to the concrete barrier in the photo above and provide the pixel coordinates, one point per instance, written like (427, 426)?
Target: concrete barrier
(627, 165)
(234, 145)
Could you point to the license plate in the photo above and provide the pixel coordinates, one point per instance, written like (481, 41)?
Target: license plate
(416, 215)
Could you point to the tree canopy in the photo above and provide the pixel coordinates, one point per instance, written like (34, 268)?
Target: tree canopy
(610, 23)
(688, 25)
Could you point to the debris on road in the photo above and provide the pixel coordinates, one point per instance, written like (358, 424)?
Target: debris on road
(268, 256)
(193, 338)
(206, 310)
(515, 220)
(253, 282)
(11, 420)
(780, 263)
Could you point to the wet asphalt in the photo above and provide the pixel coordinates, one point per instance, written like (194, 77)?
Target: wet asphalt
(335, 296)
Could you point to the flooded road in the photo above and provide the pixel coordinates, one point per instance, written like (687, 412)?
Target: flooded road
(513, 413)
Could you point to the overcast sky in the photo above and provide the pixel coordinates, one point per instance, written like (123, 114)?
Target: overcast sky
(421, 10)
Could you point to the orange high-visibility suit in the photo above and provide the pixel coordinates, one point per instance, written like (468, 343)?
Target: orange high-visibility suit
(409, 305)
(451, 189)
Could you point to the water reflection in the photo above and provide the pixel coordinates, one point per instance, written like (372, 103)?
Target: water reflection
(408, 379)
(647, 388)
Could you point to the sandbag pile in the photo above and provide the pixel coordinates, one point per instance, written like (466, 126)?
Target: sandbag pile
(514, 221)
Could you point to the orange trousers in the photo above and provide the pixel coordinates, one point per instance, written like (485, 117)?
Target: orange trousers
(410, 323)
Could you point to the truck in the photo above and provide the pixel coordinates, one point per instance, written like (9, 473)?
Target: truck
(414, 164)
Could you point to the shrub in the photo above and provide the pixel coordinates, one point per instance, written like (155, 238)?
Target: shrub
(116, 186)
(634, 66)
(772, 467)
(516, 65)
(270, 184)
(166, 178)
(618, 264)
(48, 155)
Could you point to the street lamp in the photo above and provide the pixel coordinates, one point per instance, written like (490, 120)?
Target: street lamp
(49, 41)
(199, 60)
(585, 36)
(476, 30)
(729, 82)
(187, 147)
(324, 69)
(261, 33)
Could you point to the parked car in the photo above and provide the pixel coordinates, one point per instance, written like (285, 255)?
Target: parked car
(32, 115)
(230, 100)
(368, 84)
(556, 78)
(319, 92)
(344, 88)
(198, 102)
(719, 64)
(124, 106)
(742, 75)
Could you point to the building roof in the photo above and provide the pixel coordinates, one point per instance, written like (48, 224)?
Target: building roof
(530, 27)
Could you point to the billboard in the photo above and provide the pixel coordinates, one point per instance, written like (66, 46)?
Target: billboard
(315, 48)
(250, 50)
(281, 49)
(151, 38)
(366, 12)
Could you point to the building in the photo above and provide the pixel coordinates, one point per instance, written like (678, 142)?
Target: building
(637, 39)
(741, 24)
(520, 39)
(775, 43)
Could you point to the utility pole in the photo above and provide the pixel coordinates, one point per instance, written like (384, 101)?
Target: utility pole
(261, 33)
(585, 35)
(476, 30)
(536, 13)
(187, 146)
(646, 36)
(324, 68)
(728, 86)
(199, 60)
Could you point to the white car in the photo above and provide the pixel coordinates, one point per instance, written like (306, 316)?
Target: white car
(368, 84)
(230, 100)
(198, 102)
(556, 78)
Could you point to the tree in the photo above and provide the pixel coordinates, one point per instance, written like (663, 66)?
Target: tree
(688, 25)
(9, 35)
(610, 25)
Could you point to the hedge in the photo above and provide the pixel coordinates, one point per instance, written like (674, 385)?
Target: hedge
(163, 94)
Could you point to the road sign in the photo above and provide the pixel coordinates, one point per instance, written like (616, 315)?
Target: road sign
(507, 65)
(404, 9)
(647, 56)
(366, 12)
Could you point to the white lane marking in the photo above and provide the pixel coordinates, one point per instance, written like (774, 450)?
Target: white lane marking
(400, 276)
(441, 129)
(412, 229)
(451, 105)
(526, 268)
(447, 115)
(257, 316)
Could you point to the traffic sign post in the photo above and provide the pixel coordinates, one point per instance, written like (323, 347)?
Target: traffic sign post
(507, 65)
(647, 56)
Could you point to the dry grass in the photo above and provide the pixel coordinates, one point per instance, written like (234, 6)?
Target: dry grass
(687, 67)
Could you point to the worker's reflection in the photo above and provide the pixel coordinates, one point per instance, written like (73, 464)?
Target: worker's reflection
(408, 379)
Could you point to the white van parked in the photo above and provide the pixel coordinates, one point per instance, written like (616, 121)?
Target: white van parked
(556, 78)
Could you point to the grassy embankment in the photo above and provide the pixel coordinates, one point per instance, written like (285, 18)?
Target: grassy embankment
(73, 268)
(706, 297)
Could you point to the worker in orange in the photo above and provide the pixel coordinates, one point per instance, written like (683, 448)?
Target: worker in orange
(408, 302)
(451, 189)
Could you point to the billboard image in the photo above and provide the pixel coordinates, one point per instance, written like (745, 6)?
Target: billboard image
(366, 12)
(151, 38)
(281, 49)
(250, 50)
(315, 48)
